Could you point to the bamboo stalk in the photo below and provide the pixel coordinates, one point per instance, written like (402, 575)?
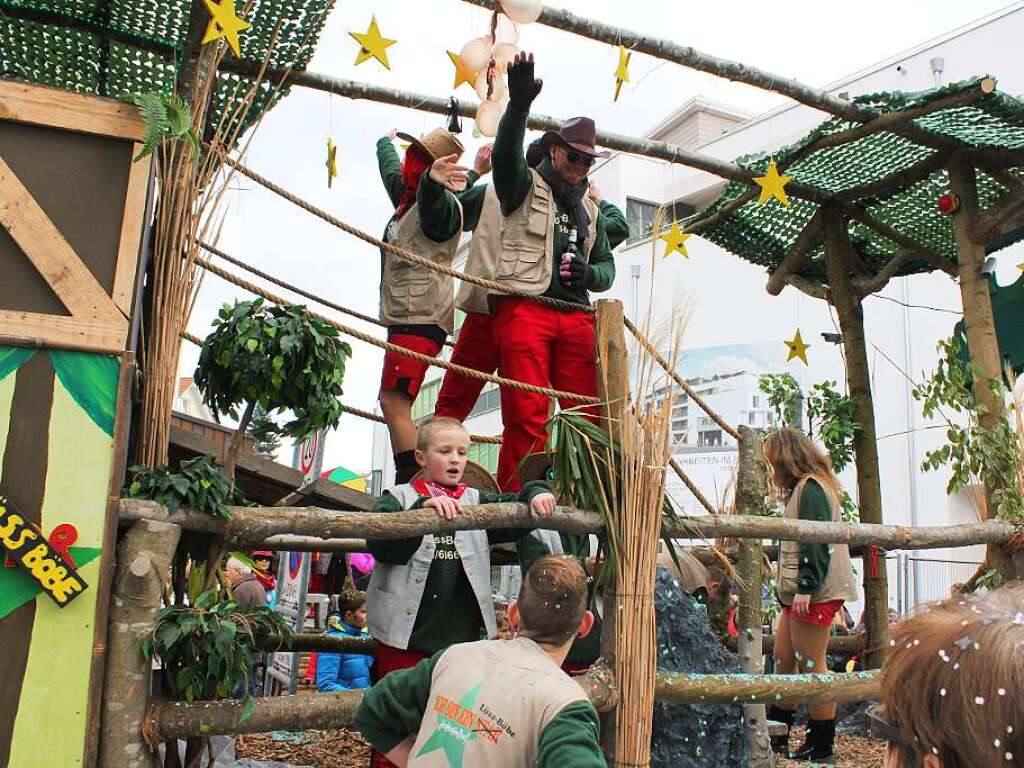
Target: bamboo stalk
(250, 525)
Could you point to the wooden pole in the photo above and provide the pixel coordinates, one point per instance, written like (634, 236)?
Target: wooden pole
(768, 689)
(613, 389)
(840, 644)
(750, 493)
(179, 720)
(981, 337)
(251, 525)
(143, 563)
(839, 254)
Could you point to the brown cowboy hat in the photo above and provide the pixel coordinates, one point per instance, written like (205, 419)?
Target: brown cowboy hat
(436, 143)
(475, 476)
(577, 133)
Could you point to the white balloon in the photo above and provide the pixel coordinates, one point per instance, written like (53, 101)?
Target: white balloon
(503, 53)
(506, 30)
(498, 89)
(476, 53)
(523, 11)
(487, 117)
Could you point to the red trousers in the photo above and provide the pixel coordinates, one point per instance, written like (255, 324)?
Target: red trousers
(474, 348)
(387, 660)
(545, 347)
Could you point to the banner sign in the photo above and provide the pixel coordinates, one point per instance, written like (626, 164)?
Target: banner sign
(26, 545)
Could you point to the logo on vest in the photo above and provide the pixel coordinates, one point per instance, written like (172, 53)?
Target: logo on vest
(455, 726)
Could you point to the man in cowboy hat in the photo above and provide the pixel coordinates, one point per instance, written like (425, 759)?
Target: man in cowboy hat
(552, 241)
(416, 304)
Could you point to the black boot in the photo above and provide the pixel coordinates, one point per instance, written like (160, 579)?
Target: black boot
(817, 748)
(780, 743)
(405, 467)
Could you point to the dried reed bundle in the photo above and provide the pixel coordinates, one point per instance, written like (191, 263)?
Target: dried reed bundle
(189, 210)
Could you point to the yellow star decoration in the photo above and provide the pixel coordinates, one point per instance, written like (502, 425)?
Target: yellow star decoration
(773, 185)
(332, 162)
(463, 74)
(224, 24)
(372, 45)
(675, 241)
(622, 71)
(1021, 266)
(797, 348)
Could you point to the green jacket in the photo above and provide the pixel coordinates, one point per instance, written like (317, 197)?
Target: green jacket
(814, 558)
(512, 182)
(393, 710)
(449, 612)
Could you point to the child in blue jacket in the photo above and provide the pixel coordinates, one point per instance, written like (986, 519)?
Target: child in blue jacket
(344, 671)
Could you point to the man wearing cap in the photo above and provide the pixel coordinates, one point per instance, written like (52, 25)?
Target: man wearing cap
(416, 304)
(541, 208)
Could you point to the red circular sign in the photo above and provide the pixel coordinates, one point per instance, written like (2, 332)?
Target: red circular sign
(307, 453)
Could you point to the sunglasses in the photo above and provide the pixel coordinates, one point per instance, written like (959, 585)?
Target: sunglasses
(579, 158)
(881, 729)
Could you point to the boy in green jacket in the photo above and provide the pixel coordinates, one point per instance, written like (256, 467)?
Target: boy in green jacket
(496, 703)
(430, 592)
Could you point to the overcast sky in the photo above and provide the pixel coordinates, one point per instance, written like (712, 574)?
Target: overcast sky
(814, 42)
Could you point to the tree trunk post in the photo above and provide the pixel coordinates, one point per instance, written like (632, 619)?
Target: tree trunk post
(981, 335)
(613, 386)
(750, 493)
(838, 253)
(143, 564)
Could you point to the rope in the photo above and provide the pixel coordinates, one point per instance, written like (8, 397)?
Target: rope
(294, 289)
(495, 440)
(642, 340)
(681, 474)
(389, 347)
(401, 253)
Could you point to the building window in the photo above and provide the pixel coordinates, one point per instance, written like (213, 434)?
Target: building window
(757, 401)
(678, 211)
(639, 217)
(753, 418)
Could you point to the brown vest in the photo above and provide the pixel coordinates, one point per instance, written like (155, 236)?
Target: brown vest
(516, 250)
(840, 582)
(490, 701)
(411, 294)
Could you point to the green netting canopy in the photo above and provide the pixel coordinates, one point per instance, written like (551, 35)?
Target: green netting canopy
(992, 123)
(113, 47)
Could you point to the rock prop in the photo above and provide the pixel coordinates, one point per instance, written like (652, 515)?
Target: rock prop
(692, 735)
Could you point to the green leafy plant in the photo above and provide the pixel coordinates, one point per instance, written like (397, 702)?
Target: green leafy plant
(973, 452)
(207, 649)
(199, 484)
(280, 357)
(264, 432)
(784, 396)
(833, 413)
(167, 116)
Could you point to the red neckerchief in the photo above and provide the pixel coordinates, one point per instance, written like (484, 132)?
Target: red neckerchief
(436, 490)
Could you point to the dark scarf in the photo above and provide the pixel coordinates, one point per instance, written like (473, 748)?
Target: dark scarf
(570, 198)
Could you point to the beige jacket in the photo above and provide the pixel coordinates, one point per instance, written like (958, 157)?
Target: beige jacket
(516, 250)
(840, 582)
(495, 697)
(411, 294)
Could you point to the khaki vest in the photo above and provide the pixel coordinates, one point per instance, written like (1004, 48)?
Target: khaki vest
(840, 582)
(489, 702)
(516, 250)
(411, 294)
(395, 592)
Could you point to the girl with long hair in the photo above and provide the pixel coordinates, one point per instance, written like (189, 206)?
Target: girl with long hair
(813, 583)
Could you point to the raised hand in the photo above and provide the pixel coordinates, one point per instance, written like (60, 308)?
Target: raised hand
(522, 86)
(445, 172)
(482, 163)
(447, 508)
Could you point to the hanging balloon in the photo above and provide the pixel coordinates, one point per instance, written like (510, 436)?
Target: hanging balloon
(476, 53)
(503, 53)
(498, 87)
(522, 11)
(506, 30)
(487, 117)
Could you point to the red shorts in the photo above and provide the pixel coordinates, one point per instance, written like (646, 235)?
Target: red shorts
(818, 614)
(401, 373)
